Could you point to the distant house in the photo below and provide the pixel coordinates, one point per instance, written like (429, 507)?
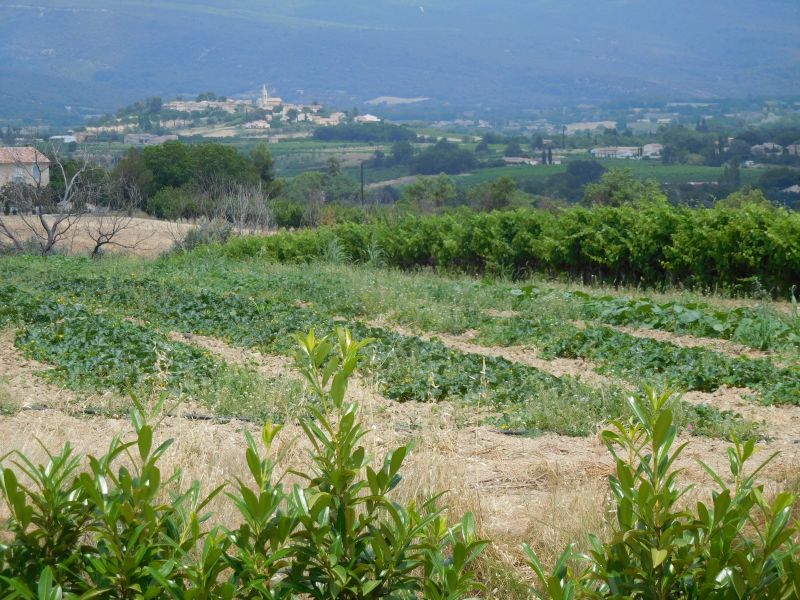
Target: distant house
(795, 189)
(617, 152)
(591, 126)
(260, 124)
(652, 150)
(793, 149)
(521, 160)
(64, 139)
(24, 165)
(367, 119)
(333, 120)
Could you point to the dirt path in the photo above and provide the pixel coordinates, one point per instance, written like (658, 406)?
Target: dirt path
(267, 366)
(726, 347)
(19, 386)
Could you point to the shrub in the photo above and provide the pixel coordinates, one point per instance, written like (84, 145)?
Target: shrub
(647, 244)
(208, 232)
(739, 545)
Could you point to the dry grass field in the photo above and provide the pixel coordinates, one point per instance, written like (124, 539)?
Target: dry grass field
(143, 237)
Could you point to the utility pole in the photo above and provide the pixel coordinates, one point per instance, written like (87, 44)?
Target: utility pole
(362, 183)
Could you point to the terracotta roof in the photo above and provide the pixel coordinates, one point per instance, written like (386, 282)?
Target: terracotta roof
(26, 156)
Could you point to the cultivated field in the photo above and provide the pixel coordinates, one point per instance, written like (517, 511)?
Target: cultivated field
(502, 386)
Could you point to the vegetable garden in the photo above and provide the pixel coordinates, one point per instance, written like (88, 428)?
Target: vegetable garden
(487, 346)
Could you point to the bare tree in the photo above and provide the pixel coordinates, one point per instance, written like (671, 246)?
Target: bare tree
(116, 225)
(47, 212)
(244, 206)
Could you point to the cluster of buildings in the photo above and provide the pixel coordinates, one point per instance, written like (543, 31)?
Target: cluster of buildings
(229, 106)
(259, 115)
(650, 151)
(270, 109)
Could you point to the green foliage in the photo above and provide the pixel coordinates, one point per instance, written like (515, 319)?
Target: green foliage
(262, 311)
(207, 232)
(618, 187)
(738, 545)
(758, 328)
(644, 244)
(444, 157)
(174, 164)
(94, 351)
(109, 531)
(175, 203)
(634, 358)
(430, 193)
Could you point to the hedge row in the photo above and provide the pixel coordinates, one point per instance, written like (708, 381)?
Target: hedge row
(648, 244)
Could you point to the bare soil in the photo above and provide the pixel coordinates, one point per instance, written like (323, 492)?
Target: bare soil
(687, 341)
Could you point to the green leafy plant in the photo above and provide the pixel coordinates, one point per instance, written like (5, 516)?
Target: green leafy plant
(123, 529)
(353, 541)
(738, 545)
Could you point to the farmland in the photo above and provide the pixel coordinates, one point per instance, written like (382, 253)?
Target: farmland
(501, 385)
(664, 174)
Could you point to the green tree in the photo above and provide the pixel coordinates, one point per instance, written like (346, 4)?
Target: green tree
(513, 149)
(403, 152)
(430, 193)
(263, 163)
(746, 197)
(333, 167)
(131, 173)
(444, 157)
(499, 194)
(731, 177)
(154, 105)
(618, 187)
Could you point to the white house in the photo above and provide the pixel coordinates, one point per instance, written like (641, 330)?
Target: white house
(616, 152)
(367, 119)
(652, 150)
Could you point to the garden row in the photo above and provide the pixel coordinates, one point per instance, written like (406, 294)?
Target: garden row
(71, 335)
(761, 328)
(649, 244)
(77, 531)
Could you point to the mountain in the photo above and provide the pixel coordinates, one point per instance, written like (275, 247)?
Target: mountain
(96, 55)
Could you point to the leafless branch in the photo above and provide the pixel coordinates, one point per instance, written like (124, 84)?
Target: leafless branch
(48, 218)
(108, 228)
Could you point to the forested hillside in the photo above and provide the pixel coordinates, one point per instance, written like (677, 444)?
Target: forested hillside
(94, 55)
